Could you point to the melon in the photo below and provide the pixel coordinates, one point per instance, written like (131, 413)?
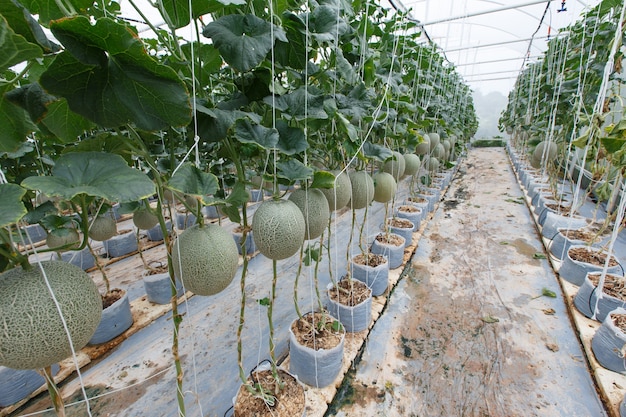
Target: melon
(439, 152)
(433, 164)
(395, 166)
(434, 140)
(362, 189)
(102, 228)
(423, 147)
(31, 328)
(411, 164)
(144, 219)
(205, 259)
(447, 145)
(314, 207)
(338, 196)
(550, 153)
(278, 228)
(58, 238)
(385, 187)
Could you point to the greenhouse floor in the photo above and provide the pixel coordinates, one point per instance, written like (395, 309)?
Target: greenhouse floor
(468, 333)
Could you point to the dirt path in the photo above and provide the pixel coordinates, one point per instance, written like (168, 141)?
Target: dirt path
(468, 332)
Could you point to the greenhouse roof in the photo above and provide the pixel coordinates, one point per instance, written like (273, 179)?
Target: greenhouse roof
(488, 41)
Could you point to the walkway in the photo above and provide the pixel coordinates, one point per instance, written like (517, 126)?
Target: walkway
(468, 332)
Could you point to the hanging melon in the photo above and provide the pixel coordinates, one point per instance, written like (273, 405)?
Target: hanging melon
(278, 228)
(385, 187)
(338, 196)
(102, 228)
(395, 166)
(314, 207)
(31, 329)
(411, 163)
(362, 189)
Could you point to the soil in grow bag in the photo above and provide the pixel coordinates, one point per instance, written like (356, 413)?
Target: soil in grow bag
(591, 257)
(289, 400)
(350, 292)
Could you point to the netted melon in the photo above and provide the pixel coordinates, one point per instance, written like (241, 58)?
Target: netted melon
(385, 187)
(423, 147)
(541, 151)
(102, 228)
(205, 259)
(144, 219)
(314, 207)
(278, 228)
(395, 166)
(31, 329)
(58, 238)
(434, 140)
(339, 196)
(411, 164)
(362, 189)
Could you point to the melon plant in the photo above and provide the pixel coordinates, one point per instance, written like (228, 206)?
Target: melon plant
(314, 207)
(362, 189)
(205, 259)
(385, 187)
(102, 228)
(411, 164)
(339, 196)
(278, 228)
(395, 166)
(31, 329)
(144, 219)
(58, 238)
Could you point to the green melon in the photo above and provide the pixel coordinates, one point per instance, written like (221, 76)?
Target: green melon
(551, 152)
(439, 152)
(278, 228)
(314, 208)
(434, 140)
(205, 259)
(102, 228)
(362, 189)
(433, 164)
(423, 147)
(58, 238)
(395, 166)
(385, 187)
(447, 145)
(31, 329)
(338, 196)
(144, 219)
(411, 164)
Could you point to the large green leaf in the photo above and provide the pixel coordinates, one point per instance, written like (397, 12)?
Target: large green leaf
(294, 170)
(14, 48)
(49, 9)
(23, 23)
(96, 174)
(292, 53)
(15, 123)
(64, 123)
(189, 179)
(248, 132)
(378, 152)
(106, 76)
(326, 24)
(243, 40)
(32, 98)
(294, 105)
(12, 208)
(291, 140)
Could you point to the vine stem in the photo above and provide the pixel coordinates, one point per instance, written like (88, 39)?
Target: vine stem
(270, 311)
(296, 282)
(363, 228)
(53, 391)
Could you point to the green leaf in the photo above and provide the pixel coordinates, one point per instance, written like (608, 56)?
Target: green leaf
(189, 179)
(291, 139)
(12, 208)
(613, 145)
(243, 40)
(33, 99)
(539, 255)
(39, 212)
(264, 301)
(292, 53)
(16, 125)
(323, 179)
(311, 254)
(548, 293)
(295, 105)
(64, 123)
(378, 152)
(24, 24)
(96, 174)
(49, 9)
(14, 49)
(236, 199)
(326, 25)
(107, 76)
(248, 132)
(294, 170)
